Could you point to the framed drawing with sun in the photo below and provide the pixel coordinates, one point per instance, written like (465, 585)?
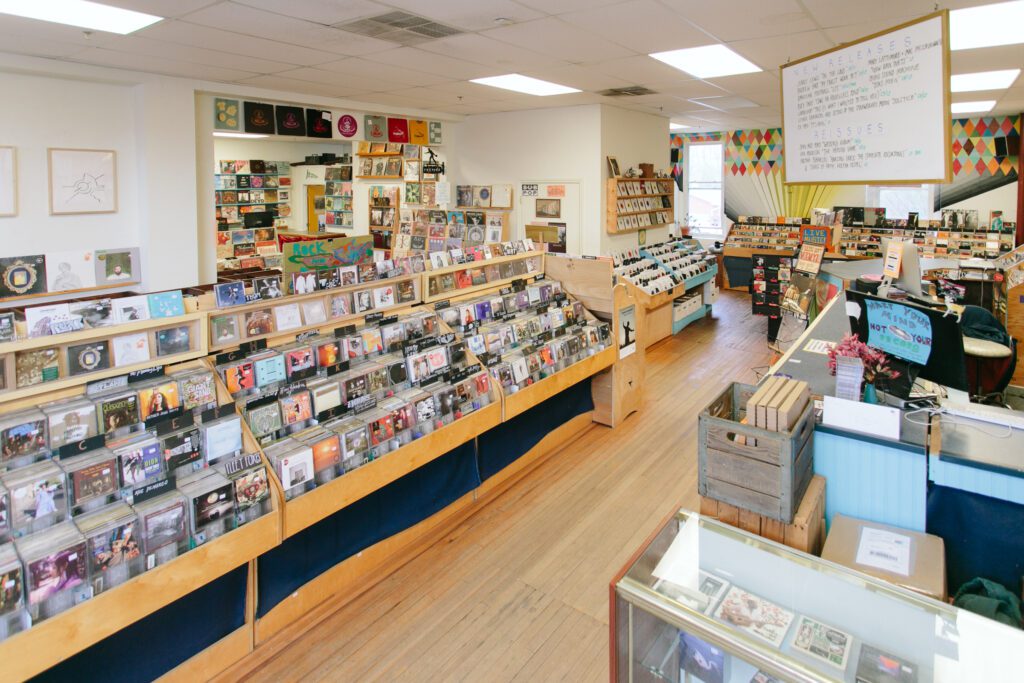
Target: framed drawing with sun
(82, 181)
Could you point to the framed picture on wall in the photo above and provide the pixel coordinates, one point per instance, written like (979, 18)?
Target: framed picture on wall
(82, 181)
(548, 208)
(613, 167)
(8, 182)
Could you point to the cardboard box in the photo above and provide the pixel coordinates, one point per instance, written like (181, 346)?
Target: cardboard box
(885, 552)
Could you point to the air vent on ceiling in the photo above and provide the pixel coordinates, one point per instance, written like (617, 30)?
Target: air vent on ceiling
(399, 27)
(631, 91)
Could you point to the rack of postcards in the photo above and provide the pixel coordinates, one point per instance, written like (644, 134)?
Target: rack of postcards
(62, 345)
(114, 493)
(248, 310)
(673, 280)
(639, 203)
(250, 194)
(338, 196)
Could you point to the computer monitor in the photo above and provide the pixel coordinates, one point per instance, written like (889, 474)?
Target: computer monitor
(909, 279)
(926, 343)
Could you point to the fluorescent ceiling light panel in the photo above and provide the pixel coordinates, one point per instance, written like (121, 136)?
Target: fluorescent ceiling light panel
(676, 126)
(986, 26)
(229, 134)
(983, 80)
(709, 61)
(972, 107)
(81, 13)
(525, 84)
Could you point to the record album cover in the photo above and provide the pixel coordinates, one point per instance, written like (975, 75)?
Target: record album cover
(259, 118)
(319, 123)
(22, 275)
(754, 614)
(85, 358)
(290, 120)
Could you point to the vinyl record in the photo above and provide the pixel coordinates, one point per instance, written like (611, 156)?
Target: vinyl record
(290, 120)
(259, 118)
(318, 123)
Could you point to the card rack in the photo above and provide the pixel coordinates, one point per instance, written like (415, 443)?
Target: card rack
(639, 204)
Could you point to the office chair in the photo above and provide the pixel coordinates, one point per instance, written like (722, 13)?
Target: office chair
(993, 352)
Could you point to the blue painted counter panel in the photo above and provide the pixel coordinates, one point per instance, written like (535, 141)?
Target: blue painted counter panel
(976, 480)
(872, 481)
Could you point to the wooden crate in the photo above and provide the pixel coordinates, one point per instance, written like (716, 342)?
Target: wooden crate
(754, 469)
(805, 533)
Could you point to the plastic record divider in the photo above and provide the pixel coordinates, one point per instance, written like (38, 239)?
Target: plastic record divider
(60, 637)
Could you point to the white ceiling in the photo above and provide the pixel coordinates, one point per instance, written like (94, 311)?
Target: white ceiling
(592, 45)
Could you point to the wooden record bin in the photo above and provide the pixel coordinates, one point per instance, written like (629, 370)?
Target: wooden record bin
(589, 281)
(64, 344)
(53, 640)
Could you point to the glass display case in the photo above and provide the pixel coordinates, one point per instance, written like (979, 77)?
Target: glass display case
(702, 601)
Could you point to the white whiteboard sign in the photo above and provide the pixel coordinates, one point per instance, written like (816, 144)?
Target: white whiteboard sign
(872, 111)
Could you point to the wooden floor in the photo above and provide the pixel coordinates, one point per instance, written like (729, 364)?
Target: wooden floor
(519, 592)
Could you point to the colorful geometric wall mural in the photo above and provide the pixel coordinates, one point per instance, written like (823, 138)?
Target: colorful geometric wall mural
(987, 146)
(982, 146)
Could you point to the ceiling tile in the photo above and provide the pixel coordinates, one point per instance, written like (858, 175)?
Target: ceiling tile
(46, 30)
(554, 37)
(852, 32)
(748, 19)
(422, 60)
(205, 37)
(345, 82)
(641, 70)
(321, 11)
(770, 53)
(580, 77)
(471, 16)
(274, 26)
(987, 59)
(753, 86)
(162, 8)
(195, 55)
(365, 68)
(470, 92)
(297, 86)
(688, 89)
(643, 26)
(490, 52)
(37, 47)
(438, 97)
(159, 65)
(829, 13)
(563, 6)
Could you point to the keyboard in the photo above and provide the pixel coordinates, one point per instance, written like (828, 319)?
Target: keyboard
(984, 413)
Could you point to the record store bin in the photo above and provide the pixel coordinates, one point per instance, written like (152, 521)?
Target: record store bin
(706, 602)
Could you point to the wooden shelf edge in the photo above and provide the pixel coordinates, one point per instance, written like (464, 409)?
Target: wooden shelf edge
(48, 643)
(526, 398)
(106, 332)
(626, 231)
(206, 664)
(102, 288)
(305, 510)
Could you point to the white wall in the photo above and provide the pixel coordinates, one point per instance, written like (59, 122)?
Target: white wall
(539, 145)
(632, 138)
(1000, 199)
(49, 112)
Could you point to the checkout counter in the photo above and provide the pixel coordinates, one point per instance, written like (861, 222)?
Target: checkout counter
(957, 478)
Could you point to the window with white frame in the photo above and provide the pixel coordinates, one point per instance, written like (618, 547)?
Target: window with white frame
(898, 201)
(704, 195)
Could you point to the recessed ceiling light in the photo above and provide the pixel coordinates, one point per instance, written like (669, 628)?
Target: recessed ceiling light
(228, 134)
(709, 61)
(983, 80)
(978, 107)
(525, 84)
(987, 25)
(91, 15)
(676, 126)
